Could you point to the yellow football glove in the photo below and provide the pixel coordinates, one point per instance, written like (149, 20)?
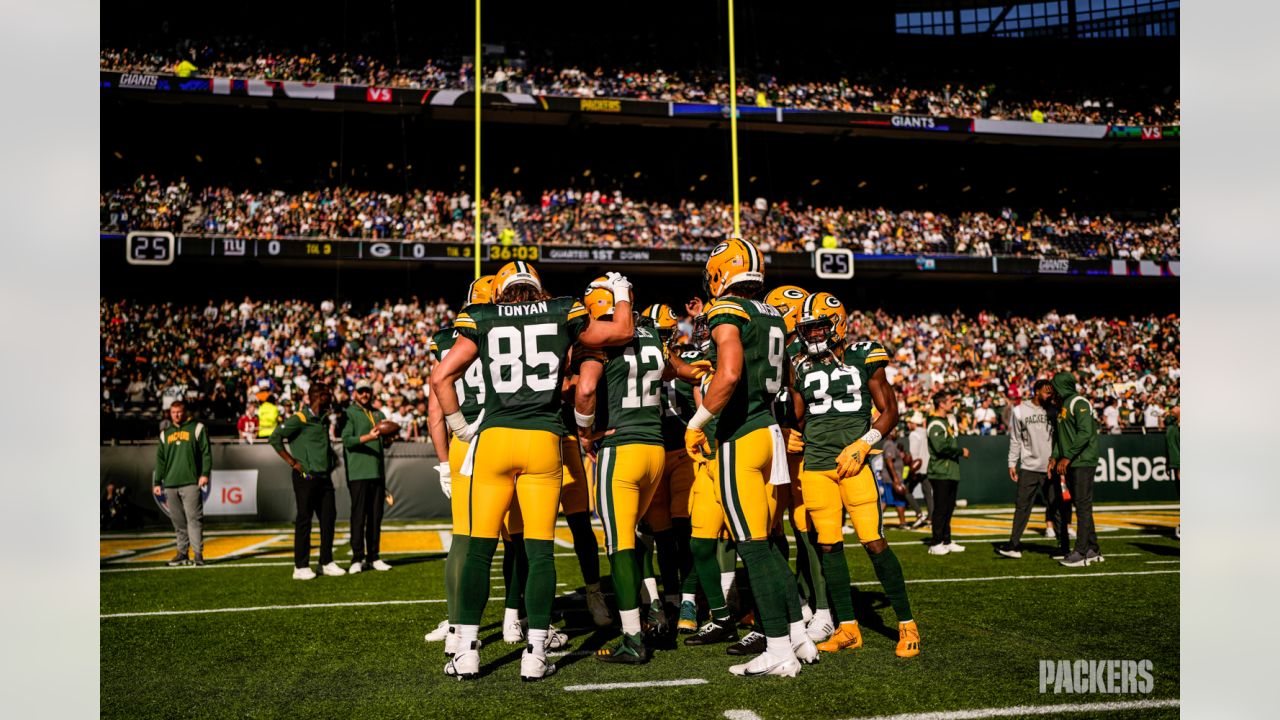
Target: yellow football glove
(696, 444)
(795, 440)
(702, 368)
(852, 458)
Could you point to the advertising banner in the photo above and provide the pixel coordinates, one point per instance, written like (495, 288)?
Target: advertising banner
(232, 492)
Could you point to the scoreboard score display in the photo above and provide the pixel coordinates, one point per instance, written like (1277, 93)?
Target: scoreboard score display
(150, 248)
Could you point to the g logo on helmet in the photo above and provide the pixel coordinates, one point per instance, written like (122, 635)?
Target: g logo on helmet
(832, 302)
(793, 294)
(719, 249)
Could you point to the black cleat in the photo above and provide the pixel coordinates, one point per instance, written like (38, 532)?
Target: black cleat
(715, 631)
(630, 650)
(753, 643)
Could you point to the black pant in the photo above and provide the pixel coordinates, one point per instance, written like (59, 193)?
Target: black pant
(1080, 483)
(1058, 512)
(925, 488)
(366, 517)
(1029, 483)
(944, 504)
(314, 496)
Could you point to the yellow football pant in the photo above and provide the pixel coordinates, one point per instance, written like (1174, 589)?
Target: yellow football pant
(678, 474)
(575, 493)
(826, 495)
(626, 478)
(741, 474)
(512, 522)
(795, 493)
(705, 514)
(510, 466)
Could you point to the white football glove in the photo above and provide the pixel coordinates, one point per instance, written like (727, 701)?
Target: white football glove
(617, 284)
(446, 479)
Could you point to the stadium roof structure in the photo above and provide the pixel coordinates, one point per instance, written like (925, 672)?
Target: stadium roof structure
(1084, 19)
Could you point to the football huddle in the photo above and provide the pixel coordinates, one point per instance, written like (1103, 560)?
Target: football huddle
(690, 448)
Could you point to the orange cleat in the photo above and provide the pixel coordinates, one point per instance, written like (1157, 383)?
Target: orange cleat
(846, 637)
(908, 639)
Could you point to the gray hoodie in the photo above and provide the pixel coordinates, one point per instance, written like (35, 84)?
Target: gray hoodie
(1030, 437)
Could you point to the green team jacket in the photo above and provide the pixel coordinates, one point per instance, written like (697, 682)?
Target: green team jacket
(944, 451)
(364, 460)
(1173, 443)
(308, 438)
(1076, 434)
(183, 455)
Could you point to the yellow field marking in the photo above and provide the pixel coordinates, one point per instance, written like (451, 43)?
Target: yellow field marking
(119, 548)
(419, 541)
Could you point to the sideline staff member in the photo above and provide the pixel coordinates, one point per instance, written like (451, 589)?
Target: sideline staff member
(366, 477)
(944, 472)
(183, 463)
(312, 460)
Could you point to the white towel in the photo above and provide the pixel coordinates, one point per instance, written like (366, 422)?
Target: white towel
(780, 474)
(469, 460)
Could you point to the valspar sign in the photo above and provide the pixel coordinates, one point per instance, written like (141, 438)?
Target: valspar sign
(1133, 467)
(1134, 470)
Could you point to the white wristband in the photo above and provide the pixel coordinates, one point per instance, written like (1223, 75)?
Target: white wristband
(700, 418)
(456, 422)
(584, 421)
(872, 437)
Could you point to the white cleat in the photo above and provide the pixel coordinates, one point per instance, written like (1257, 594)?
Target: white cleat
(955, 547)
(440, 632)
(556, 640)
(806, 613)
(1049, 532)
(464, 665)
(305, 573)
(381, 565)
(766, 664)
(534, 666)
(939, 549)
(598, 607)
(332, 570)
(355, 568)
(451, 643)
(819, 629)
(513, 632)
(806, 652)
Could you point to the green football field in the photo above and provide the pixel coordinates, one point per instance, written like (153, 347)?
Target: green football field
(240, 638)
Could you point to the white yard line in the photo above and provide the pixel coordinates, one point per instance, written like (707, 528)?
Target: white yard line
(741, 715)
(634, 685)
(213, 566)
(265, 607)
(987, 539)
(1026, 710)
(1086, 574)
(1163, 562)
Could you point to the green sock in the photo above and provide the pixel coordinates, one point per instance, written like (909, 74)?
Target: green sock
(809, 569)
(515, 570)
(726, 555)
(585, 546)
(706, 572)
(889, 571)
(644, 555)
(473, 584)
(668, 566)
(836, 568)
(453, 574)
(768, 586)
(786, 578)
(682, 528)
(626, 579)
(540, 587)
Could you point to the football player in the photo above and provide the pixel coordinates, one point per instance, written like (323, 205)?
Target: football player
(748, 348)
(521, 340)
(575, 503)
(835, 390)
(789, 299)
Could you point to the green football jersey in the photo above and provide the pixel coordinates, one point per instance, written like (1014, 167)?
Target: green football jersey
(470, 387)
(836, 409)
(522, 350)
(866, 356)
(784, 410)
(629, 401)
(678, 406)
(764, 358)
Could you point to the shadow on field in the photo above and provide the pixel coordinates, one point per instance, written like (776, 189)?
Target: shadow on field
(415, 559)
(866, 607)
(1163, 550)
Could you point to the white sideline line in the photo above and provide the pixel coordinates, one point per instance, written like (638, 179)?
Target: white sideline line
(265, 607)
(629, 685)
(1029, 577)
(741, 715)
(1163, 562)
(213, 566)
(987, 539)
(1025, 710)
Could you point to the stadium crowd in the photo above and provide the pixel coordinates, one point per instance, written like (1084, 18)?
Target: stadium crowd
(246, 59)
(610, 219)
(225, 358)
